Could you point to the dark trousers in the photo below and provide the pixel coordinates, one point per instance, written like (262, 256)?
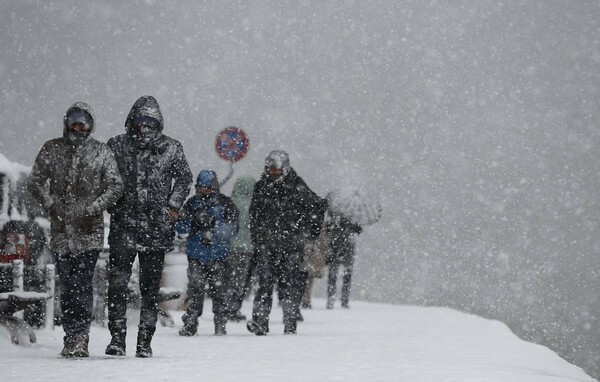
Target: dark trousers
(346, 280)
(279, 266)
(241, 267)
(77, 292)
(151, 267)
(199, 274)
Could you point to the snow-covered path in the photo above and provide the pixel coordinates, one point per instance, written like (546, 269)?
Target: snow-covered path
(369, 342)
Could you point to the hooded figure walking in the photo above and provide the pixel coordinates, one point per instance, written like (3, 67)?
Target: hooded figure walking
(75, 178)
(157, 179)
(284, 215)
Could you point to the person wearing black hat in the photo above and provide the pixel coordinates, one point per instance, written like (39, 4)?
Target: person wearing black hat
(210, 219)
(75, 178)
(284, 214)
(157, 179)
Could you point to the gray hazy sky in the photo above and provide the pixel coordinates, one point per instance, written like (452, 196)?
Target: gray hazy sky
(475, 123)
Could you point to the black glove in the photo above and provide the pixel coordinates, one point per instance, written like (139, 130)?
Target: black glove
(54, 212)
(79, 211)
(204, 221)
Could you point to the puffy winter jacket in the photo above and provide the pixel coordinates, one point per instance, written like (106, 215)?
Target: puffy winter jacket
(156, 179)
(341, 231)
(241, 195)
(83, 182)
(285, 211)
(223, 217)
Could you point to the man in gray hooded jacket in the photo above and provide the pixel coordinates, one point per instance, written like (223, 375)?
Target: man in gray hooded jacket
(75, 178)
(157, 180)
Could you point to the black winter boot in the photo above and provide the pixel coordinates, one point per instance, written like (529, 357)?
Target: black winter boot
(116, 346)
(80, 348)
(220, 326)
(330, 302)
(237, 316)
(188, 330)
(256, 328)
(143, 349)
(69, 345)
(289, 328)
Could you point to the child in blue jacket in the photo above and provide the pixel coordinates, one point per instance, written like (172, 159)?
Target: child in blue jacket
(210, 220)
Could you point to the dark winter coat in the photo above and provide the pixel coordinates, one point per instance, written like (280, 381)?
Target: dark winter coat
(224, 226)
(341, 231)
(83, 182)
(284, 211)
(156, 179)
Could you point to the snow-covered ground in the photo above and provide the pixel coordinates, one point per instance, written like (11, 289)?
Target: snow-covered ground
(369, 342)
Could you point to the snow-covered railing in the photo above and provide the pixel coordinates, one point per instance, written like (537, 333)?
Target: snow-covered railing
(50, 288)
(18, 275)
(10, 174)
(20, 294)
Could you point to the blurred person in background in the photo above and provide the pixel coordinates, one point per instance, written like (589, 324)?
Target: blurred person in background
(242, 261)
(341, 232)
(284, 214)
(315, 254)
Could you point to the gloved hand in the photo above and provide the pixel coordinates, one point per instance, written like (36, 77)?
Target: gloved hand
(55, 211)
(206, 237)
(204, 220)
(80, 211)
(305, 265)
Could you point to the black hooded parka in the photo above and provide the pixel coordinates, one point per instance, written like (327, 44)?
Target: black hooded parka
(157, 178)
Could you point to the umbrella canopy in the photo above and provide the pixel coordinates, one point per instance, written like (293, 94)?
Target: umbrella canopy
(355, 204)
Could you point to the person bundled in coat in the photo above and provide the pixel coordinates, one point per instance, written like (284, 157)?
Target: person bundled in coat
(242, 261)
(210, 220)
(284, 214)
(340, 232)
(157, 179)
(75, 178)
(316, 252)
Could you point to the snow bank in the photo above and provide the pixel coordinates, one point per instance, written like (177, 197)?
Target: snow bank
(370, 342)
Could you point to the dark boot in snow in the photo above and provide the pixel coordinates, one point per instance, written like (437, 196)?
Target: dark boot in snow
(220, 329)
(237, 316)
(143, 349)
(116, 346)
(299, 316)
(80, 347)
(330, 302)
(346, 289)
(256, 328)
(67, 350)
(289, 328)
(188, 330)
